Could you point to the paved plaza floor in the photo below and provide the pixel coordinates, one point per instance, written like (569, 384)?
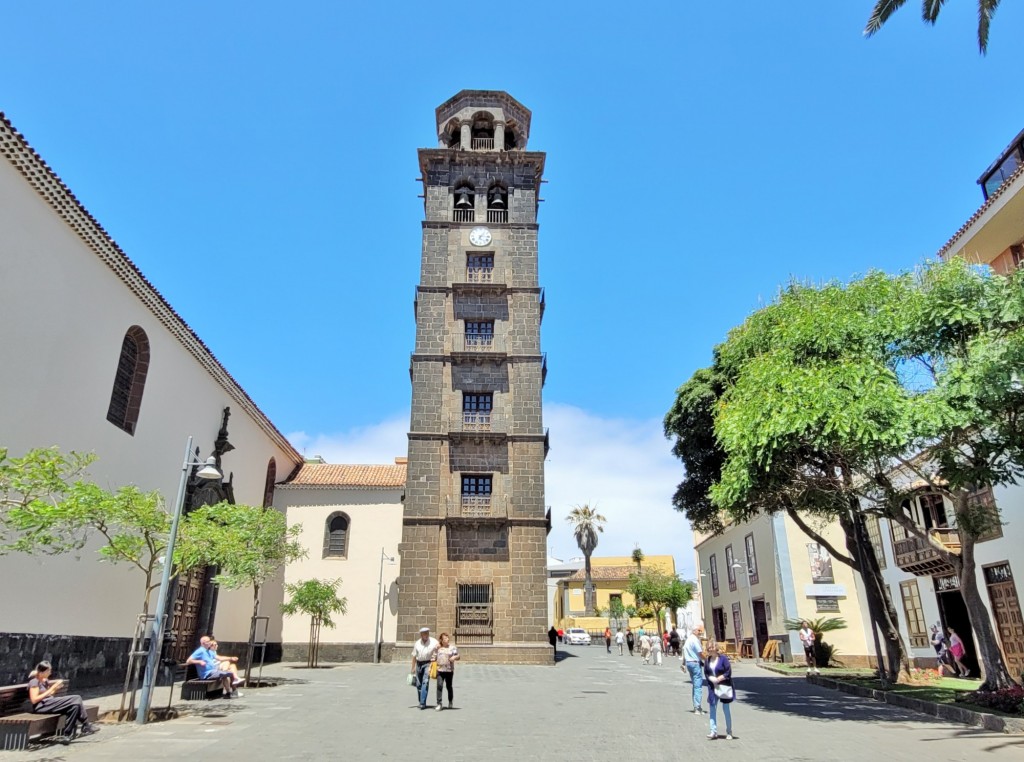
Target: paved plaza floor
(591, 706)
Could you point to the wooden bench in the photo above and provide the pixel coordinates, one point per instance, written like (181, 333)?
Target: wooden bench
(194, 688)
(18, 726)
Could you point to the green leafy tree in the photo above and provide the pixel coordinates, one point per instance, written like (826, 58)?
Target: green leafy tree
(930, 13)
(776, 423)
(658, 591)
(814, 402)
(133, 525)
(587, 523)
(248, 544)
(317, 599)
(41, 475)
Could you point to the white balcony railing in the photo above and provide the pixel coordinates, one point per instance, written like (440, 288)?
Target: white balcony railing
(477, 421)
(482, 343)
(483, 144)
(497, 215)
(463, 215)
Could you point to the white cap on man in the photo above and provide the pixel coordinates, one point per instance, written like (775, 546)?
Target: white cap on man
(424, 629)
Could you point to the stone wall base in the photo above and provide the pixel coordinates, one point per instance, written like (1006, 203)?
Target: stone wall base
(507, 653)
(501, 653)
(86, 661)
(340, 652)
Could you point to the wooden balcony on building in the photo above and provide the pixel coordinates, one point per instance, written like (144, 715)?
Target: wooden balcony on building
(478, 344)
(920, 558)
(483, 423)
(478, 507)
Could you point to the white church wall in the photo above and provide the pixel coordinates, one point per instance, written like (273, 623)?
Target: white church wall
(63, 316)
(375, 524)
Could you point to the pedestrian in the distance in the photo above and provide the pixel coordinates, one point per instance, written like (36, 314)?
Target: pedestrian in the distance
(445, 656)
(620, 641)
(693, 663)
(807, 638)
(645, 647)
(656, 650)
(630, 641)
(718, 673)
(673, 642)
(957, 651)
(665, 642)
(608, 639)
(422, 655)
(553, 640)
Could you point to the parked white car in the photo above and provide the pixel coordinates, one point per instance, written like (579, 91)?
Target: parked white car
(577, 636)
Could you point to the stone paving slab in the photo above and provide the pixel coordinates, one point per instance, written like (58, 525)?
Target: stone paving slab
(591, 706)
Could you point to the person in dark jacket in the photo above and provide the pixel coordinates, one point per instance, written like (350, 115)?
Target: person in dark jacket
(630, 641)
(718, 676)
(553, 640)
(673, 642)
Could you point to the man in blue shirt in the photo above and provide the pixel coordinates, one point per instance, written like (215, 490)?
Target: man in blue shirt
(693, 654)
(209, 667)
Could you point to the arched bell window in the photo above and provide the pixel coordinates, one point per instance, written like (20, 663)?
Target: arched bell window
(129, 380)
(464, 202)
(482, 131)
(497, 203)
(336, 531)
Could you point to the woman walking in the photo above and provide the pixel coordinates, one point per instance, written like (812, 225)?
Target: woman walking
(445, 656)
(630, 641)
(718, 675)
(957, 651)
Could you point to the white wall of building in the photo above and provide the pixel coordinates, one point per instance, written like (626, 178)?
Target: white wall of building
(63, 316)
(375, 525)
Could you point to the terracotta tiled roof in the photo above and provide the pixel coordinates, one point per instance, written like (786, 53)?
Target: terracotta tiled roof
(947, 249)
(604, 573)
(16, 149)
(326, 475)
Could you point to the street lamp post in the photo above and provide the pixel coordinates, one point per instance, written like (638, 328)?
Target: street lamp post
(750, 600)
(378, 624)
(208, 471)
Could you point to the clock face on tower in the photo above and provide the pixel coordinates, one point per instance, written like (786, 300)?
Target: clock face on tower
(479, 236)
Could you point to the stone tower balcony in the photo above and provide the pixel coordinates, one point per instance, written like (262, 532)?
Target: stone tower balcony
(483, 120)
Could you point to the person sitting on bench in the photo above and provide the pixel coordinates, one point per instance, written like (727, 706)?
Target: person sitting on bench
(41, 692)
(226, 663)
(209, 668)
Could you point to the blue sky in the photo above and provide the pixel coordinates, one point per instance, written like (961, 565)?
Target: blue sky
(699, 156)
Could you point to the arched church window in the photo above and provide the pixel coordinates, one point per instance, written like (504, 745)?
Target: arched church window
(129, 380)
(336, 536)
(268, 485)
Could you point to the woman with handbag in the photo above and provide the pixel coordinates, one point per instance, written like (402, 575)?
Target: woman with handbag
(718, 676)
(443, 668)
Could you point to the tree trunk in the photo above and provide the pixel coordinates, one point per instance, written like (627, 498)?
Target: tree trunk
(589, 594)
(989, 655)
(880, 609)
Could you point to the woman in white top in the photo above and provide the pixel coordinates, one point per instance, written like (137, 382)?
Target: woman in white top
(620, 641)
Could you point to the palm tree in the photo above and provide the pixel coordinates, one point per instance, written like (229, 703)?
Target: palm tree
(638, 558)
(930, 12)
(586, 523)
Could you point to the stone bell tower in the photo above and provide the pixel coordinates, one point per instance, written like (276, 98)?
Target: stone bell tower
(474, 533)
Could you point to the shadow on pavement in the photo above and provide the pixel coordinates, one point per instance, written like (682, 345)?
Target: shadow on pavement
(799, 698)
